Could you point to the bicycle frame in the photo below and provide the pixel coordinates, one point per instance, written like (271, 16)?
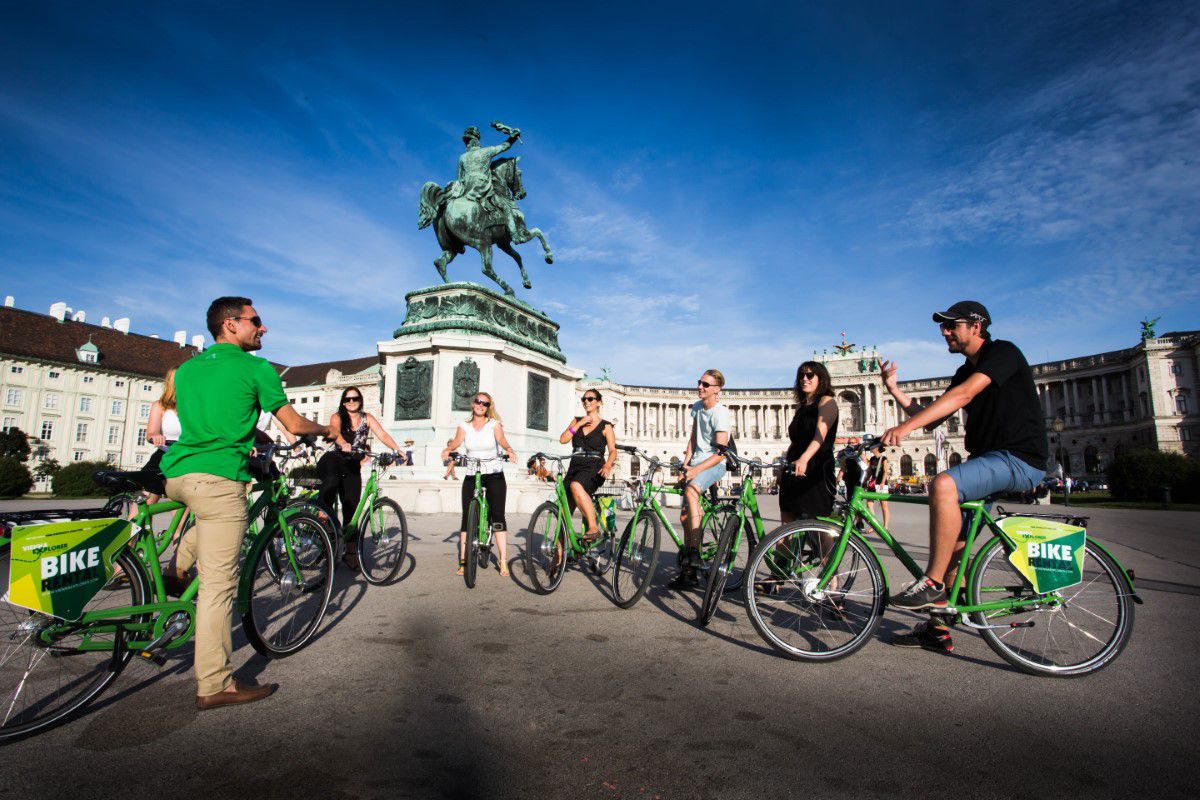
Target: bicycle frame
(978, 514)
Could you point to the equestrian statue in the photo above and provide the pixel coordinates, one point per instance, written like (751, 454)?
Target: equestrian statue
(478, 208)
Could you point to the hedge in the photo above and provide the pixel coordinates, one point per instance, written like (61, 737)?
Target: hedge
(1140, 474)
(75, 480)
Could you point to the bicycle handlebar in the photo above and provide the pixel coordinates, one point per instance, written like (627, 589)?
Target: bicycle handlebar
(869, 442)
(463, 460)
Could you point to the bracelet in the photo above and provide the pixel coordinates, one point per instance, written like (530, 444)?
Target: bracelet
(572, 430)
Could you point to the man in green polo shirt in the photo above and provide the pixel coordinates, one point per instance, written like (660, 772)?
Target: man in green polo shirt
(220, 394)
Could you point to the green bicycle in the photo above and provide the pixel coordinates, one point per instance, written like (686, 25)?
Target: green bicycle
(1048, 598)
(552, 541)
(52, 666)
(640, 543)
(479, 533)
(378, 528)
(742, 520)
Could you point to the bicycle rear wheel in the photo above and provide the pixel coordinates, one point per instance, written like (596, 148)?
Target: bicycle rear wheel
(718, 570)
(546, 548)
(471, 565)
(382, 542)
(784, 607)
(289, 593)
(43, 685)
(1084, 632)
(637, 556)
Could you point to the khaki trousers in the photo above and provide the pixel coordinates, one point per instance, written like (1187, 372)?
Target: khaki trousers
(220, 508)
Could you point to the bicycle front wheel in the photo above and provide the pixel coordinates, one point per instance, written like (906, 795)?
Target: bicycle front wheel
(1082, 629)
(382, 542)
(546, 548)
(787, 610)
(44, 684)
(637, 556)
(471, 565)
(290, 586)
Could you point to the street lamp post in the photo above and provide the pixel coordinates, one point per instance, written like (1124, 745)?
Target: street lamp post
(1057, 426)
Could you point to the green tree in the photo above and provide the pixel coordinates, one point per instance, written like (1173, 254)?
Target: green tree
(46, 468)
(15, 479)
(14, 444)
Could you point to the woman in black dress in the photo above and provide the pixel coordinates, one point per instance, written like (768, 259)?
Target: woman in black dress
(590, 437)
(806, 491)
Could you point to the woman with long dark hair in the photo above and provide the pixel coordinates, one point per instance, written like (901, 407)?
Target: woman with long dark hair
(341, 470)
(591, 438)
(806, 490)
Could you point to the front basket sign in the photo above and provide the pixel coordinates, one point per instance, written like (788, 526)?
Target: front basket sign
(1049, 554)
(57, 568)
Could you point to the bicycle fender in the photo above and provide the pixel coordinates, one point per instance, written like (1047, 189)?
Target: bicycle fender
(1125, 573)
(246, 579)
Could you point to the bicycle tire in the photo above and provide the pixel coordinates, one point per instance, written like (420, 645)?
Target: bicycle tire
(718, 570)
(1083, 619)
(471, 562)
(546, 548)
(778, 599)
(285, 610)
(741, 557)
(382, 542)
(637, 557)
(90, 673)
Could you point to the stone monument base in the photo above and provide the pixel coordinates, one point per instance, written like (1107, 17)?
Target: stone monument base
(456, 340)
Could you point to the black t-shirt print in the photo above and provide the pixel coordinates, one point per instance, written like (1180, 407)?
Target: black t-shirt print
(1007, 414)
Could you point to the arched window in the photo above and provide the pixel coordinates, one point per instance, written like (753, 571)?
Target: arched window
(1091, 461)
(906, 465)
(931, 464)
(955, 459)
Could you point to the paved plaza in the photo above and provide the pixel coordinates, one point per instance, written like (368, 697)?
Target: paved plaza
(428, 689)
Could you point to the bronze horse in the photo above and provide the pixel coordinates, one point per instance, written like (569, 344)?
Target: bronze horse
(461, 222)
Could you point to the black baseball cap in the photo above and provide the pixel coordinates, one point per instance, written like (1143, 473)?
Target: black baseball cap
(970, 310)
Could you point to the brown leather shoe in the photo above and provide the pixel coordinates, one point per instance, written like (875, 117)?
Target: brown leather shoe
(241, 693)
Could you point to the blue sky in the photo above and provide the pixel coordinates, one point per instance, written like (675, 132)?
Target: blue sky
(725, 186)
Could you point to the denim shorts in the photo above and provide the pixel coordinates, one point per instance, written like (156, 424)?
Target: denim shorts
(708, 477)
(989, 473)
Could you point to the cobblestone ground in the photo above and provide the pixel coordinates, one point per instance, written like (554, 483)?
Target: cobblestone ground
(428, 689)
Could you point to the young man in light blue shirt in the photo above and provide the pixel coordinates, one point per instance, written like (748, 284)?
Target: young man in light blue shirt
(705, 466)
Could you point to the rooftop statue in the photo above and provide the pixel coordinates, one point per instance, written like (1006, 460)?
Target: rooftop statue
(1148, 327)
(478, 208)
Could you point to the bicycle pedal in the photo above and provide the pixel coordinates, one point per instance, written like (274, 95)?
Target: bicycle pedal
(158, 659)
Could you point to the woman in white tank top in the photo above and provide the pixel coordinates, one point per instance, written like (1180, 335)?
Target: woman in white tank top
(163, 429)
(483, 437)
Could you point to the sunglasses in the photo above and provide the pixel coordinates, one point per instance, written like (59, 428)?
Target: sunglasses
(255, 321)
(483, 403)
(352, 400)
(808, 374)
(591, 399)
(705, 384)
(949, 326)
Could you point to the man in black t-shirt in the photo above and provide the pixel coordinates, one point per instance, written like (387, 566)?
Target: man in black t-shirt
(1005, 437)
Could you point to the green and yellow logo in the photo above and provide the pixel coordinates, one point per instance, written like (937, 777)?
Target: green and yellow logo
(1049, 554)
(59, 567)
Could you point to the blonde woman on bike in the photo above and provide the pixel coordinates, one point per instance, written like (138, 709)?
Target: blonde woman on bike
(484, 438)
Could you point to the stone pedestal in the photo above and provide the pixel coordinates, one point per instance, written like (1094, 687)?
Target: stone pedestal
(458, 339)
